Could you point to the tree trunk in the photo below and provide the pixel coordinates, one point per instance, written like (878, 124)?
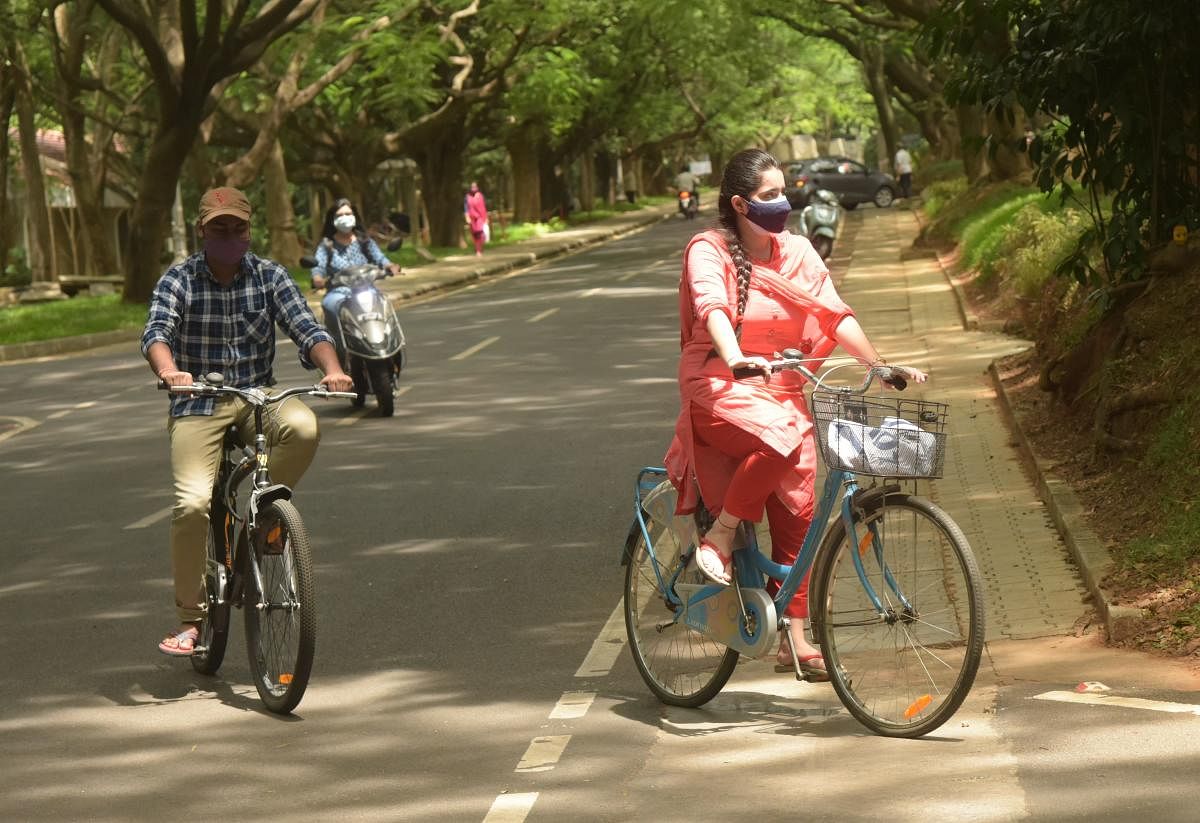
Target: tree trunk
(7, 102)
(872, 63)
(1006, 131)
(553, 184)
(526, 177)
(587, 180)
(89, 197)
(281, 217)
(970, 127)
(441, 164)
(149, 223)
(41, 255)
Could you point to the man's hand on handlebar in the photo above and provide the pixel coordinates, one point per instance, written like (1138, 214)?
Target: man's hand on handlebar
(174, 377)
(394, 269)
(337, 381)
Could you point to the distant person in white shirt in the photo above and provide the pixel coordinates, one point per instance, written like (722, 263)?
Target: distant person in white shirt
(903, 166)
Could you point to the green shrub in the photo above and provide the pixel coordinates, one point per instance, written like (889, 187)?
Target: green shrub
(937, 195)
(1034, 243)
(983, 231)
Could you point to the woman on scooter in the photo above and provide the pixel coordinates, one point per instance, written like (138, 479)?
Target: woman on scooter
(750, 289)
(344, 243)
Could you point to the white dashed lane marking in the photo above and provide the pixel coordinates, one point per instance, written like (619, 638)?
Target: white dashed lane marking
(542, 315)
(543, 753)
(483, 344)
(511, 808)
(607, 646)
(572, 705)
(150, 519)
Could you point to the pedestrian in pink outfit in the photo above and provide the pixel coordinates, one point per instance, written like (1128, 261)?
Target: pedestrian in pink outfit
(475, 211)
(750, 289)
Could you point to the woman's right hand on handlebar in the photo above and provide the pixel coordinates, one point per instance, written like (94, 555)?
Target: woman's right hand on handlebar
(741, 363)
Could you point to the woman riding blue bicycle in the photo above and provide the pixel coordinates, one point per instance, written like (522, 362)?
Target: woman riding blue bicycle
(750, 289)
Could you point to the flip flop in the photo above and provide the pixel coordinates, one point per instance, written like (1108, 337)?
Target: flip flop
(189, 635)
(712, 564)
(808, 670)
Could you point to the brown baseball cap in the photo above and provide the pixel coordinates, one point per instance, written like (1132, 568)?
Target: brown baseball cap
(223, 200)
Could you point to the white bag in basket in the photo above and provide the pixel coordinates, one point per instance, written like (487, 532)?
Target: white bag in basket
(894, 447)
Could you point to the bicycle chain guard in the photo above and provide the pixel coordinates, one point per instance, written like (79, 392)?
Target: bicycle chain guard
(719, 617)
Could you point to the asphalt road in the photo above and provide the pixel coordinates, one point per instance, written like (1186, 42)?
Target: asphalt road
(469, 665)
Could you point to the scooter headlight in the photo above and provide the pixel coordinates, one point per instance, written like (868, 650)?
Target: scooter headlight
(365, 300)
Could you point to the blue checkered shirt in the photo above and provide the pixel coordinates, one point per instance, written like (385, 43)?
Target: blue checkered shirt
(231, 330)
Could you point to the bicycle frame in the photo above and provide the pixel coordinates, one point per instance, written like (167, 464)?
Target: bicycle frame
(751, 565)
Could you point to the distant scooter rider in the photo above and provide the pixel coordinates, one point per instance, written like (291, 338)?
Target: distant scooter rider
(344, 243)
(686, 181)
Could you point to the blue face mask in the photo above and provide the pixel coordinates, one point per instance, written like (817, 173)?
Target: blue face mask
(770, 216)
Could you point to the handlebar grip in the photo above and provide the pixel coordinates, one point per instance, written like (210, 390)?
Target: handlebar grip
(745, 371)
(162, 385)
(896, 379)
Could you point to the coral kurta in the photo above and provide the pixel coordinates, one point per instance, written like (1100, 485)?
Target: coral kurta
(792, 303)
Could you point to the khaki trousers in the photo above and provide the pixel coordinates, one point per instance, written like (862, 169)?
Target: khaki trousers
(292, 437)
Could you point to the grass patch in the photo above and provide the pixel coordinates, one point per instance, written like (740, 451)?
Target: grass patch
(68, 318)
(983, 230)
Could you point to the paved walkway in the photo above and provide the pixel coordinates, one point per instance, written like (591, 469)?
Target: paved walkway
(911, 314)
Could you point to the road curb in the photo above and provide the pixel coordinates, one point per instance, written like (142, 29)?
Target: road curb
(515, 261)
(1091, 556)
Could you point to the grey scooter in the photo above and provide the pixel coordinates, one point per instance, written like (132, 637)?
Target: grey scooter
(819, 220)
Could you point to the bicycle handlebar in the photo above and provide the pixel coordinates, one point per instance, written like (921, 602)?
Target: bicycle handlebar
(256, 396)
(894, 376)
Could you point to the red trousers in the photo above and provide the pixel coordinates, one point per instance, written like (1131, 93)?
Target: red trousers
(752, 490)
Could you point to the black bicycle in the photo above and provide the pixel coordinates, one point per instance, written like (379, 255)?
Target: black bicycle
(259, 559)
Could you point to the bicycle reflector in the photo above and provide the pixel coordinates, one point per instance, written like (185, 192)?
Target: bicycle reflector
(919, 705)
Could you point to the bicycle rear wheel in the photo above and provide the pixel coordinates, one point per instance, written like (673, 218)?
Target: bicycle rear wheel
(681, 666)
(214, 629)
(904, 672)
(281, 619)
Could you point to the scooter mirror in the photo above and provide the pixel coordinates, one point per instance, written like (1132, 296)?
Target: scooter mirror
(308, 262)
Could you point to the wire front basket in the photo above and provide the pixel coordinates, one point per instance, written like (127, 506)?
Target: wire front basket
(880, 436)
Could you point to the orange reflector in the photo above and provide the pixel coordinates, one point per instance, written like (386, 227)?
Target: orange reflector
(273, 534)
(285, 679)
(864, 544)
(919, 705)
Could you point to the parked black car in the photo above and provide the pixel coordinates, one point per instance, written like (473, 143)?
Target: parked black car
(850, 180)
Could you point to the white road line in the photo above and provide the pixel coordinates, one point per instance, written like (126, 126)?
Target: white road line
(543, 753)
(1125, 702)
(606, 647)
(511, 808)
(483, 344)
(591, 292)
(87, 404)
(629, 275)
(542, 315)
(23, 423)
(59, 414)
(572, 705)
(151, 519)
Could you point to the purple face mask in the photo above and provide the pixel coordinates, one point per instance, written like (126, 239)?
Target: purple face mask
(226, 251)
(770, 216)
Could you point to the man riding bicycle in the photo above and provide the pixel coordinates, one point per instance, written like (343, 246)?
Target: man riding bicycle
(216, 312)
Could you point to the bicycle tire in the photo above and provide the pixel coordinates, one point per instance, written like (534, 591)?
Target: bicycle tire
(681, 666)
(214, 629)
(281, 638)
(903, 674)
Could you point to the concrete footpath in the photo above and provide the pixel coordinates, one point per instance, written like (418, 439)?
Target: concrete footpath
(446, 273)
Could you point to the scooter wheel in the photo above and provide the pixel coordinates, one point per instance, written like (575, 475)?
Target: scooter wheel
(358, 374)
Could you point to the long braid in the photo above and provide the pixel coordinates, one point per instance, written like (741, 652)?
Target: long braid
(742, 176)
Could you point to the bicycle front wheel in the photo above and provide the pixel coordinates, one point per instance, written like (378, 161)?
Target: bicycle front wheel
(281, 618)
(903, 666)
(681, 666)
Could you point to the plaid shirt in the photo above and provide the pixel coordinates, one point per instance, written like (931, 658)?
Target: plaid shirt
(211, 328)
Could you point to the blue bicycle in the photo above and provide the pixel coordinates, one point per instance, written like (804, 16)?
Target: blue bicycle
(896, 598)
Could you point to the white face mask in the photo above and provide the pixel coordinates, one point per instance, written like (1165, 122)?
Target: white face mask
(344, 222)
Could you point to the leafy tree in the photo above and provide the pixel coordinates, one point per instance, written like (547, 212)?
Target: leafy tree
(1120, 85)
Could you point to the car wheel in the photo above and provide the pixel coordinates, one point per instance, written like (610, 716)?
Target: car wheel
(849, 205)
(884, 197)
